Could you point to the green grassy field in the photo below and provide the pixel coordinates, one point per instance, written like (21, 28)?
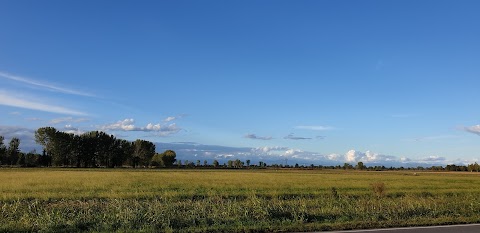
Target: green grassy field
(105, 200)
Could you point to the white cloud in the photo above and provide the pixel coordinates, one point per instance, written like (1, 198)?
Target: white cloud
(254, 136)
(129, 125)
(268, 149)
(123, 125)
(314, 127)
(433, 158)
(170, 118)
(354, 156)
(72, 130)
(46, 86)
(335, 157)
(473, 129)
(167, 130)
(153, 127)
(10, 99)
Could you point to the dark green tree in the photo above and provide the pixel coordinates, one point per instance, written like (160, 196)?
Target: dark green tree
(31, 159)
(157, 160)
(13, 151)
(21, 161)
(143, 151)
(360, 166)
(3, 151)
(45, 136)
(169, 158)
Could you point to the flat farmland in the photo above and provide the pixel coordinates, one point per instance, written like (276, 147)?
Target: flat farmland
(169, 200)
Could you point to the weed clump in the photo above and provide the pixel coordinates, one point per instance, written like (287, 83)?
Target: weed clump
(334, 193)
(378, 189)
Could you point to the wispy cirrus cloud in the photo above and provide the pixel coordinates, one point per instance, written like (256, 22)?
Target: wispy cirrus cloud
(433, 138)
(129, 125)
(67, 120)
(475, 129)
(44, 85)
(254, 136)
(13, 100)
(293, 137)
(314, 127)
(173, 118)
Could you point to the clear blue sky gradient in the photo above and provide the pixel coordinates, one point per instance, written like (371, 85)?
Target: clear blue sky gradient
(396, 81)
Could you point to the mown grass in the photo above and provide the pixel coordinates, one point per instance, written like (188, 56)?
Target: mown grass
(231, 200)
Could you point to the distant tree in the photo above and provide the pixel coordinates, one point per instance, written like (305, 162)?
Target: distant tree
(198, 163)
(63, 149)
(205, 163)
(347, 166)
(44, 159)
(238, 163)
(143, 152)
(169, 158)
(57, 144)
(157, 160)
(21, 160)
(32, 159)
(360, 166)
(296, 165)
(13, 151)
(230, 164)
(3, 151)
(473, 167)
(179, 163)
(106, 148)
(46, 137)
(248, 162)
(215, 163)
(126, 150)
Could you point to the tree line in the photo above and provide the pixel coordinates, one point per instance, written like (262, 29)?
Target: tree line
(91, 149)
(99, 149)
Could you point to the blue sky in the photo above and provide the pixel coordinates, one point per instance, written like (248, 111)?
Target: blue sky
(387, 82)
